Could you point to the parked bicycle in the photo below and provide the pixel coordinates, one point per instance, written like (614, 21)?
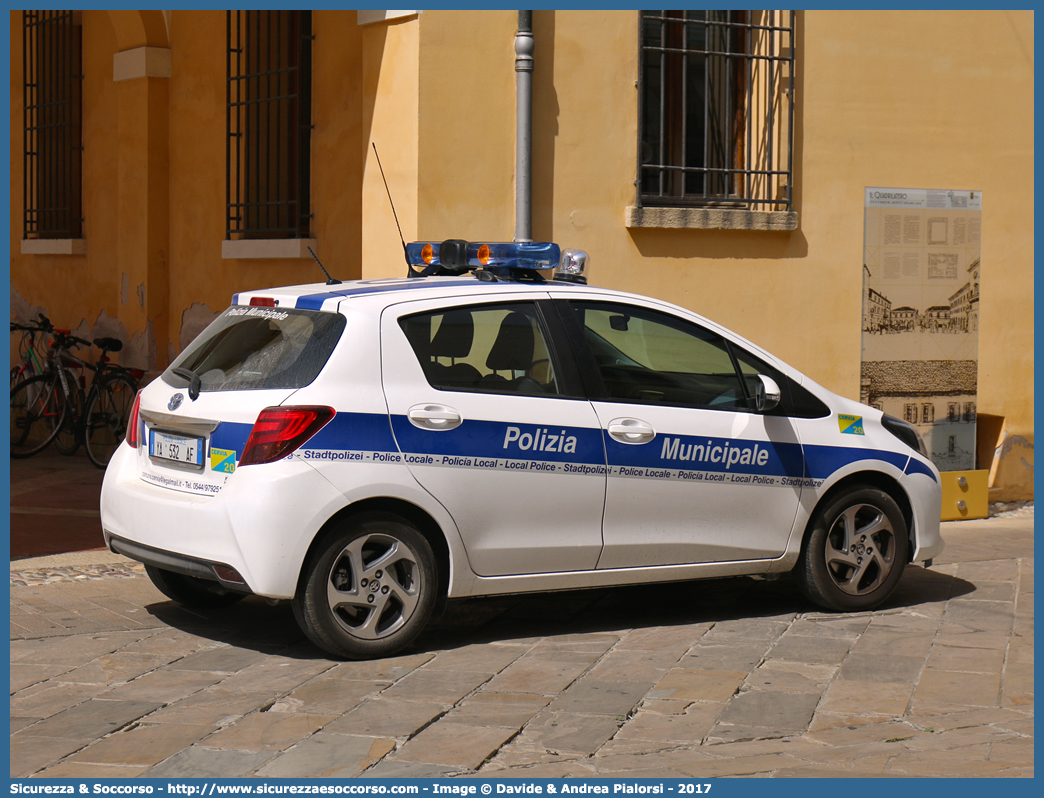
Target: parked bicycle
(51, 406)
(32, 355)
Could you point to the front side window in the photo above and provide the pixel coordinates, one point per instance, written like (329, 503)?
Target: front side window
(269, 97)
(53, 148)
(716, 110)
(650, 357)
(484, 348)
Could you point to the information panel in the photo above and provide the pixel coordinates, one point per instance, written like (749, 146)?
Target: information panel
(921, 314)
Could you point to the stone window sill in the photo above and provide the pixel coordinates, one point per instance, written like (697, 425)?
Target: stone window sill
(709, 219)
(54, 246)
(260, 248)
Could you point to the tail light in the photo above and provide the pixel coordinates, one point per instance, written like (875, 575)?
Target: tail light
(280, 430)
(133, 424)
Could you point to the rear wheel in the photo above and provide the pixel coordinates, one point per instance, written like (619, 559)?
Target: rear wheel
(368, 588)
(106, 420)
(190, 591)
(38, 410)
(856, 552)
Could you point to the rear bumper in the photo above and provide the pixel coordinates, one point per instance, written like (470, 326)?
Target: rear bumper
(260, 524)
(222, 573)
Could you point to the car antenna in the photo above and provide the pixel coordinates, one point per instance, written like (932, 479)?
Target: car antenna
(409, 267)
(329, 280)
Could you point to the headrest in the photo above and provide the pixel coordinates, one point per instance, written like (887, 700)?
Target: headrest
(513, 349)
(454, 336)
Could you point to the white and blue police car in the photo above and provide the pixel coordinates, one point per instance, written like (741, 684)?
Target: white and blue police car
(492, 424)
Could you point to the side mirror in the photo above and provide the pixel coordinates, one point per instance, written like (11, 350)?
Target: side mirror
(766, 393)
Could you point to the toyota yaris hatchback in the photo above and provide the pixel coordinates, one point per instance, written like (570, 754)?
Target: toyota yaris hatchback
(368, 449)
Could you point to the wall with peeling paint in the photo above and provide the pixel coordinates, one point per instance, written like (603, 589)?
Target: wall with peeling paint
(912, 98)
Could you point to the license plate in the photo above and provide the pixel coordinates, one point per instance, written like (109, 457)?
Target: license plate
(176, 448)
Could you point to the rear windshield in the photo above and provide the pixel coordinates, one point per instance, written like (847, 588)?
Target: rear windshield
(252, 348)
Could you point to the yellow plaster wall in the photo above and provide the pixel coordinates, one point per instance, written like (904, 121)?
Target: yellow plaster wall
(199, 274)
(390, 75)
(58, 284)
(338, 150)
(920, 99)
(467, 125)
(197, 173)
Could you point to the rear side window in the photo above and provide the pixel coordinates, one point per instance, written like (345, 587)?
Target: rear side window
(251, 348)
(484, 349)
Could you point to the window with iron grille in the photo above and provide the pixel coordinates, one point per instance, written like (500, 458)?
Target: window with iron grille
(52, 102)
(715, 109)
(269, 115)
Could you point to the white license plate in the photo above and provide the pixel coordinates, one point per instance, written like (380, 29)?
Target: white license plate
(176, 448)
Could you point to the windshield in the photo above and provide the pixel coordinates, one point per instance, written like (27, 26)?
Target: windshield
(253, 348)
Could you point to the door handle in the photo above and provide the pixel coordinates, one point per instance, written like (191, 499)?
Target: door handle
(631, 430)
(433, 417)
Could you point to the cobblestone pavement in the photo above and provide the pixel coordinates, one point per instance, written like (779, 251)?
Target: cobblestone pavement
(703, 679)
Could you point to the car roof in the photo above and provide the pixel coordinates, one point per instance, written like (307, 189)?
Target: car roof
(391, 290)
(315, 296)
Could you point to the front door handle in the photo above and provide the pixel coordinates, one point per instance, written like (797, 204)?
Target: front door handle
(631, 430)
(433, 417)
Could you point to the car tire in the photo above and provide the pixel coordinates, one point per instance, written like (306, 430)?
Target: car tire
(368, 588)
(190, 591)
(856, 551)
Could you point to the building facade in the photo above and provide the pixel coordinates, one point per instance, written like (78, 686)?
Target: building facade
(714, 159)
(878, 311)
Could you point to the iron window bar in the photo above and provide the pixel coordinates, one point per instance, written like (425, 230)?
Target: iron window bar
(52, 91)
(724, 148)
(268, 122)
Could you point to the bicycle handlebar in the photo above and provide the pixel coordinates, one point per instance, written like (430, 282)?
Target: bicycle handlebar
(65, 339)
(31, 327)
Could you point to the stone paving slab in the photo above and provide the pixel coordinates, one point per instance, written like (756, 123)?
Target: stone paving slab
(329, 756)
(721, 678)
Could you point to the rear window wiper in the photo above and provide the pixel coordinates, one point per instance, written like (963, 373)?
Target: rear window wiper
(193, 380)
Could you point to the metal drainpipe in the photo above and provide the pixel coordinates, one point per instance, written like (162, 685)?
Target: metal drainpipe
(524, 47)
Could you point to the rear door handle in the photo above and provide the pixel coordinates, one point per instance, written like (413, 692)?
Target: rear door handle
(631, 430)
(433, 417)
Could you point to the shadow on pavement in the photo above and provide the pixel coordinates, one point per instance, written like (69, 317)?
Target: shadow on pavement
(256, 625)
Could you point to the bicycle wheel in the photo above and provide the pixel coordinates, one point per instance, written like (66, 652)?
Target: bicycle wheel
(107, 411)
(70, 435)
(38, 410)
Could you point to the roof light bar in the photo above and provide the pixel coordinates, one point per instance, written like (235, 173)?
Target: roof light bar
(423, 253)
(455, 256)
(514, 255)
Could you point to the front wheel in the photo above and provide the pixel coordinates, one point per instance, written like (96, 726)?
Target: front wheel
(856, 552)
(368, 588)
(106, 422)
